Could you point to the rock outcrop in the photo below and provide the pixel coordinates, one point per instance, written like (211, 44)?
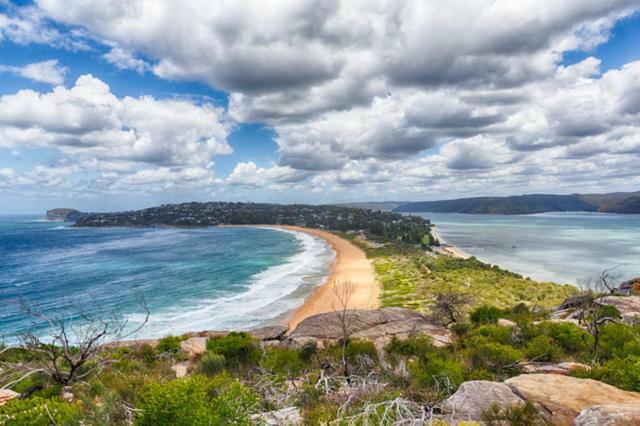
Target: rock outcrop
(286, 417)
(563, 368)
(475, 397)
(629, 306)
(7, 395)
(269, 332)
(630, 287)
(372, 324)
(560, 398)
(609, 415)
(64, 215)
(194, 346)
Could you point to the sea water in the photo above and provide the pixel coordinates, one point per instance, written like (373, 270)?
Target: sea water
(560, 247)
(191, 279)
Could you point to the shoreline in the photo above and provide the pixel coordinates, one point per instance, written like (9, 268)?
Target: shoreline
(349, 265)
(447, 248)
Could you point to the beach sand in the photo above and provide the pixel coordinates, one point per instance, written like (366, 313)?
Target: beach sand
(447, 248)
(350, 265)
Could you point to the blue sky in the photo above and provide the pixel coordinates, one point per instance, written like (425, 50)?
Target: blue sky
(126, 107)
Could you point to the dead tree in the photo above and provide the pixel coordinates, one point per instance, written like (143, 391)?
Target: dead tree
(593, 313)
(73, 348)
(343, 292)
(449, 307)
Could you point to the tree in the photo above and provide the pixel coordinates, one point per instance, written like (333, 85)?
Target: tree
(73, 349)
(343, 292)
(593, 313)
(449, 307)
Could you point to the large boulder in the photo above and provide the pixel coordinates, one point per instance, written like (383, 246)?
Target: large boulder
(629, 306)
(563, 368)
(561, 398)
(630, 287)
(7, 395)
(269, 332)
(475, 397)
(285, 417)
(372, 324)
(609, 415)
(194, 346)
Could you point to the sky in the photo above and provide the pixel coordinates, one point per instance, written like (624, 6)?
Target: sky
(128, 104)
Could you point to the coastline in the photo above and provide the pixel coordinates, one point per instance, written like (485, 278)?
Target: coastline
(350, 265)
(447, 248)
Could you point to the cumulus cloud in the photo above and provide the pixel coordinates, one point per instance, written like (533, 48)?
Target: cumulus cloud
(131, 140)
(49, 72)
(410, 95)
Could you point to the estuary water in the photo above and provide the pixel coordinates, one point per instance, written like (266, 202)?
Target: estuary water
(191, 279)
(560, 247)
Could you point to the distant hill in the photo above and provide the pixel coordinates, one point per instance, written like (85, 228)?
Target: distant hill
(374, 205)
(64, 215)
(620, 202)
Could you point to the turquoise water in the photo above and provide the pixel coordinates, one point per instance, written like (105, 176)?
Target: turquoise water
(192, 279)
(561, 247)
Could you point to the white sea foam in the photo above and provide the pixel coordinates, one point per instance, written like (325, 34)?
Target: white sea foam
(270, 294)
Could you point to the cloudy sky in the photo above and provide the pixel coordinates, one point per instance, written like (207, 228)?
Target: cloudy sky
(127, 104)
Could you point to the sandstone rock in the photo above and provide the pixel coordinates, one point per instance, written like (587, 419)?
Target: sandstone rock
(373, 324)
(609, 415)
(194, 346)
(67, 394)
(561, 398)
(7, 395)
(270, 332)
(629, 306)
(180, 370)
(286, 417)
(208, 333)
(506, 323)
(563, 368)
(477, 396)
(630, 287)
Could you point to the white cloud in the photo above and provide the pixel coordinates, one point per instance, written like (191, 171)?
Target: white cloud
(50, 72)
(125, 60)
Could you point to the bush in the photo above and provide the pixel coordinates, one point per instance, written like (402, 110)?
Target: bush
(619, 340)
(169, 344)
(197, 400)
(485, 315)
(492, 333)
(282, 361)
(460, 328)
(442, 374)
(236, 347)
(570, 337)
(543, 348)
(358, 348)
(623, 373)
(38, 411)
(521, 415)
(493, 356)
(410, 347)
(211, 364)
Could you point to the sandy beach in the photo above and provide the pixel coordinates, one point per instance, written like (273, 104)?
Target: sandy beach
(447, 248)
(350, 265)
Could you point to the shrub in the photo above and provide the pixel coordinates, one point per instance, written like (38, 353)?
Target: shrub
(211, 364)
(623, 373)
(619, 340)
(356, 348)
(169, 344)
(543, 348)
(442, 374)
(282, 361)
(236, 347)
(570, 337)
(493, 356)
(485, 315)
(197, 400)
(492, 333)
(460, 328)
(410, 347)
(521, 415)
(38, 411)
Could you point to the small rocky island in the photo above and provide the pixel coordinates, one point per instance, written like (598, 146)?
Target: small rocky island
(65, 215)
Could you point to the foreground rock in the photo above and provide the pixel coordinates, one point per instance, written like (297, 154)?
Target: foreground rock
(7, 395)
(630, 287)
(475, 397)
(560, 398)
(286, 417)
(372, 324)
(609, 415)
(270, 332)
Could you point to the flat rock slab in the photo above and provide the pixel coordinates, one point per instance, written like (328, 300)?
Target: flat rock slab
(371, 324)
(629, 306)
(563, 368)
(561, 398)
(286, 417)
(475, 397)
(609, 415)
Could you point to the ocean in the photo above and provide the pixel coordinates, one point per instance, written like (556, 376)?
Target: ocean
(560, 247)
(191, 279)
